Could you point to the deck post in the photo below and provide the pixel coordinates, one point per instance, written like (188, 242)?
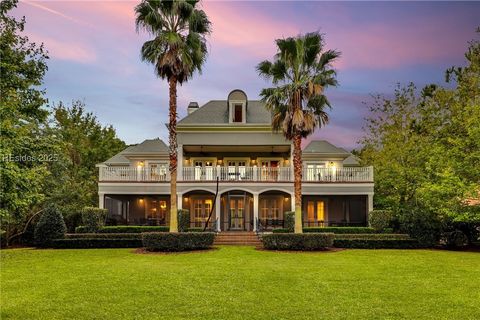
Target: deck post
(101, 200)
(218, 213)
(255, 211)
(179, 201)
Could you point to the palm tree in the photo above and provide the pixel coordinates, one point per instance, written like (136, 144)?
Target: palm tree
(300, 72)
(177, 50)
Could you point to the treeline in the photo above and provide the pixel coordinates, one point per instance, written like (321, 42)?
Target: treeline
(425, 149)
(48, 151)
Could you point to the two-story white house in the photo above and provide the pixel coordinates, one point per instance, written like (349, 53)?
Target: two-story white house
(232, 140)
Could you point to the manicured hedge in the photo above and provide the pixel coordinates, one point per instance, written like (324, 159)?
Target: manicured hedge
(125, 229)
(137, 236)
(375, 241)
(339, 230)
(182, 241)
(281, 230)
(374, 236)
(297, 241)
(85, 243)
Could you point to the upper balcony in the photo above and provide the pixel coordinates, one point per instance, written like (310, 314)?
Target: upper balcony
(237, 174)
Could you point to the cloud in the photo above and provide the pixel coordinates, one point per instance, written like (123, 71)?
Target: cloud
(66, 50)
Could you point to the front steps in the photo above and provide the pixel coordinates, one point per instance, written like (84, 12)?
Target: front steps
(238, 238)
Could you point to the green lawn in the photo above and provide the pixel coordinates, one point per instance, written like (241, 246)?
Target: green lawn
(239, 283)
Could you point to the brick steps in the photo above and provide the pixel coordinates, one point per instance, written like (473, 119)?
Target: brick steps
(237, 238)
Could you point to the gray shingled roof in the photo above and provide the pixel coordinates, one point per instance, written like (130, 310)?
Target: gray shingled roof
(216, 112)
(322, 146)
(148, 146)
(119, 158)
(351, 161)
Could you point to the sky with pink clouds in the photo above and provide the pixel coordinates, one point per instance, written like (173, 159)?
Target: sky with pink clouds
(94, 55)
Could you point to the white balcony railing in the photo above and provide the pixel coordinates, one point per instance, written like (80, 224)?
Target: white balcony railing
(132, 174)
(254, 174)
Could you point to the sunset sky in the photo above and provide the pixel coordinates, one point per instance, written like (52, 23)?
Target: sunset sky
(94, 55)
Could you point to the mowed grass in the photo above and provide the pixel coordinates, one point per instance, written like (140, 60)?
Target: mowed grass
(239, 283)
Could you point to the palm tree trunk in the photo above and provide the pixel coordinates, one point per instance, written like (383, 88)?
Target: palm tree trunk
(172, 139)
(297, 182)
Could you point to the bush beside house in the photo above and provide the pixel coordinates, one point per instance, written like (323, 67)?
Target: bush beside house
(298, 241)
(50, 226)
(183, 220)
(164, 241)
(93, 218)
(124, 229)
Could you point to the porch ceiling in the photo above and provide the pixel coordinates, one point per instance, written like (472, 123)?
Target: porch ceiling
(211, 149)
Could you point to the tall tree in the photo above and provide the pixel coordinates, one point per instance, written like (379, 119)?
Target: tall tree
(25, 149)
(82, 143)
(300, 72)
(177, 50)
(425, 148)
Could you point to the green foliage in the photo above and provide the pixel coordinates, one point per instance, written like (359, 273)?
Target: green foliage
(425, 149)
(298, 241)
(289, 221)
(380, 219)
(25, 149)
(282, 230)
(179, 28)
(183, 220)
(302, 68)
(125, 229)
(456, 239)
(50, 226)
(421, 224)
(183, 241)
(83, 142)
(376, 244)
(339, 230)
(374, 236)
(137, 236)
(93, 218)
(84, 243)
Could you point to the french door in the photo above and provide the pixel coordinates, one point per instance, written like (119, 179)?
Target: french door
(237, 212)
(236, 170)
(204, 170)
(270, 170)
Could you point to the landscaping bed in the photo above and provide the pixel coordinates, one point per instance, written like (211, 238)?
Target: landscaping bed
(297, 241)
(124, 229)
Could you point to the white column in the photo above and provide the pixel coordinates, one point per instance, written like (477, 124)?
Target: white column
(292, 196)
(179, 201)
(180, 163)
(101, 200)
(291, 166)
(370, 202)
(255, 211)
(218, 213)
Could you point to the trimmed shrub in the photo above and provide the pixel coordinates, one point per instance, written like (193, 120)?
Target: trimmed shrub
(195, 230)
(85, 243)
(339, 230)
(183, 220)
(380, 219)
(376, 244)
(297, 241)
(289, 221)
(456, 239)
(50, 226)
(93, 218)
(374, 236)
(422, 225)
(281, 230)
(137, 236)
(375, 241)
(125, 229)
(183, 241)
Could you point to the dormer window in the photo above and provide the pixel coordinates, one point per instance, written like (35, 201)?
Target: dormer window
(237, 113)
(237, 107)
